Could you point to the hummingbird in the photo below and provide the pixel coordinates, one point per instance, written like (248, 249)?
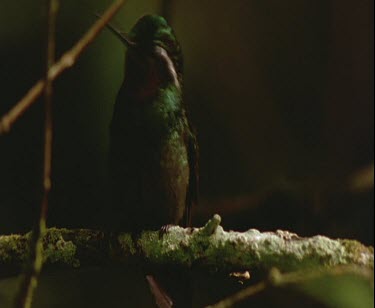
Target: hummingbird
(153, 156)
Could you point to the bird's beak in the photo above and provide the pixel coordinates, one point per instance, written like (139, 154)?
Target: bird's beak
(123, 37)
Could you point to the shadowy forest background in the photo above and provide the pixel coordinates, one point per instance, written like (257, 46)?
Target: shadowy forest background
(281, 94)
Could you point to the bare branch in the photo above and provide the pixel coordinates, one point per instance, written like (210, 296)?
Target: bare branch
(31, 276)
(240, 296)
(67, 60)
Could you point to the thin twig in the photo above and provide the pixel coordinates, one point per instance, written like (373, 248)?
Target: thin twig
(240, 296)
(67, 60)
(277, 279)
(29, 283)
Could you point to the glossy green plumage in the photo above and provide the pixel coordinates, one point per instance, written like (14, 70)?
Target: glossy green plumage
(151, 30)
(153, 151)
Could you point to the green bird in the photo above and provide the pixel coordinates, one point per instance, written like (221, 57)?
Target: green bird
(153, 148)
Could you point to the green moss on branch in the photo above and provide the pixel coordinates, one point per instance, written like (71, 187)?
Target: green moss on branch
(209, 247)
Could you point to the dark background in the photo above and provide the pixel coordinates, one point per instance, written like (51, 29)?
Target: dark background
(281, 94)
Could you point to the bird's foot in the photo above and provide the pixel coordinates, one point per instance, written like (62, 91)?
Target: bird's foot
(165, 229)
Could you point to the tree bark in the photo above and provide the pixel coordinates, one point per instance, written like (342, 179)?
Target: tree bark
(208, 247)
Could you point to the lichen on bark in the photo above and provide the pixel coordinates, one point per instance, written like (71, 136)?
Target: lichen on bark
(208, 247)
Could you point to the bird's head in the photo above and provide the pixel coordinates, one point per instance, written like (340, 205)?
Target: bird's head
(152, 50)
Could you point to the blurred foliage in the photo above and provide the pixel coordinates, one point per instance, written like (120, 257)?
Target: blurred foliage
(346, 291)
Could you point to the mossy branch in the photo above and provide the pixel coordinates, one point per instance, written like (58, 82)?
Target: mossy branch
(210, 247)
